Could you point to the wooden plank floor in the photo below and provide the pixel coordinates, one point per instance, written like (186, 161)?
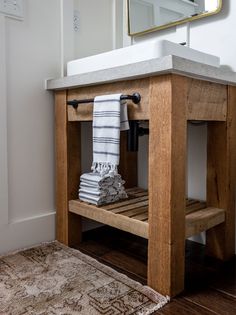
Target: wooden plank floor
(210, 286)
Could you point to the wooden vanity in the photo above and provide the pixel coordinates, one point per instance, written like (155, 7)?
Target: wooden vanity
(171, 96)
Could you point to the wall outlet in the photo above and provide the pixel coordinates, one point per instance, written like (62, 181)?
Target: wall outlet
(76, 20)
(12, 8)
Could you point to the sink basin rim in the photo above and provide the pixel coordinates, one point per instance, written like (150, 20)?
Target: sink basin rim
(136, 53)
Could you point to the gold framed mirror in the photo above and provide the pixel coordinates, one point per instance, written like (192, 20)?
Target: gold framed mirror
(146, 16)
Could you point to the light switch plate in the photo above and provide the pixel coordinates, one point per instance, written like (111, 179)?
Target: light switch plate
(12, 8)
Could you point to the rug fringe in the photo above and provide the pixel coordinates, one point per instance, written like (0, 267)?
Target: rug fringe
(156, 307)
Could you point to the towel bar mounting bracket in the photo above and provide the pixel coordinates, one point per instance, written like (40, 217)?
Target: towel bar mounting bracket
(135, 131)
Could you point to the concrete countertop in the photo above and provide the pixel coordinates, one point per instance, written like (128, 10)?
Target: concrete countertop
(153, 67)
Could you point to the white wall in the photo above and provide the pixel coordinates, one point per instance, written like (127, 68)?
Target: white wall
(95, 34)
(30, 51)
(67, 32)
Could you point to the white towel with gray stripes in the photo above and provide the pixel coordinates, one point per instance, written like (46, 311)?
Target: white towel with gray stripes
(109, 118)
(99, 190)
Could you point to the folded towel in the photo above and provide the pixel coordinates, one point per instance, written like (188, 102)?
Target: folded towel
(101, 200)
(109, 118)
(98, 192)
(98, 189)
(96, 179)
(98, 201)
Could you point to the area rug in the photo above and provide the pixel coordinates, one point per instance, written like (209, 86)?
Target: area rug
(53, 279)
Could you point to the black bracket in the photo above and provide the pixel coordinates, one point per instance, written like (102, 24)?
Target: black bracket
(134, 132)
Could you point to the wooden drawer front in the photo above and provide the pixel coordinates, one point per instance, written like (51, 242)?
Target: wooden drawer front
(136, 111)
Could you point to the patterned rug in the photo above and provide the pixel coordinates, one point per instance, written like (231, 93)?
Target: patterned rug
(53, 279)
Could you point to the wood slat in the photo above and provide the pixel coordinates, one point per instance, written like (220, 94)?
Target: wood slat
(134, 212)
(124, 203)
(133, 189)
(140, 194)
(195, 206)
(141, 217)
(107, 217)
(132, 215)
(132, 206)
(190, 201)
(136, 190)
(202, 220)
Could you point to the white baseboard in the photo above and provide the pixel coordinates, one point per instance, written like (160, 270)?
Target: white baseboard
(27, 232)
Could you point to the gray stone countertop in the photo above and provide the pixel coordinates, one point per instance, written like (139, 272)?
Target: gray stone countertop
(153, 67)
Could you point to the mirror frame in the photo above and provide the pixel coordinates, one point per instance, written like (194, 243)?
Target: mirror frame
(157, 28)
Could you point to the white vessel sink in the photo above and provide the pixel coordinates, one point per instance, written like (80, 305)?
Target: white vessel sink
(136, 53)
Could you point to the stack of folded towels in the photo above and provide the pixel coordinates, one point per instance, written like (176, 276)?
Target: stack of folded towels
(104, 185)
(100, 190)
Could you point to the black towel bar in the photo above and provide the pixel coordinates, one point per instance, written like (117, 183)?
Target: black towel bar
(135, 97)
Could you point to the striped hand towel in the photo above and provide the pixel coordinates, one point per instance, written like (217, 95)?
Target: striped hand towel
(109, 118)
(99, 190)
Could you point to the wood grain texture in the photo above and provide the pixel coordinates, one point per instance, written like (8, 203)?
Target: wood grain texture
(202, 220)
(135, 111)
(133, 207)
(206, 101)
(128, 167)
(182, 306)
(212, 300)
(134, 210)
(221, 180)
(104, 216)
(127, 202)
(194, 206)
(67, 172)
(167, 164)
(125, 262)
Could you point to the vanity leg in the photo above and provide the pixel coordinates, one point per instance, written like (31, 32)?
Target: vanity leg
(167, 177)
(221, 180)
(68, 169)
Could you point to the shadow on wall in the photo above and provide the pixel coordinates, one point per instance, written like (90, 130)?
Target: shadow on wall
(222, 15)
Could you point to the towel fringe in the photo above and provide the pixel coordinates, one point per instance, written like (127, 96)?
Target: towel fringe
(105, 169)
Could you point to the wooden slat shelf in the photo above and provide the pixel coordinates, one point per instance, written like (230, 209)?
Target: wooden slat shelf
(131, 215)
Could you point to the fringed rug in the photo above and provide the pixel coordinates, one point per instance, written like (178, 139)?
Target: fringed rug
(53, 279)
